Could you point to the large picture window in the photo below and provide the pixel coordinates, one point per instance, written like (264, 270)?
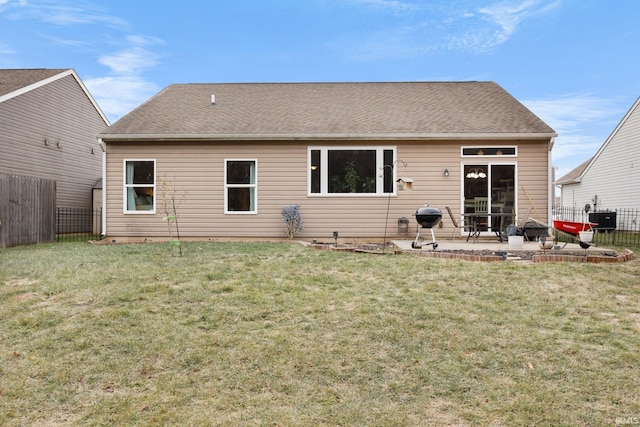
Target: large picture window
(351, 171)
(240, 186)
(139, 186)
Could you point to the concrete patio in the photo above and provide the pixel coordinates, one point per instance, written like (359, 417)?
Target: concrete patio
(492, 245)
(494, 250)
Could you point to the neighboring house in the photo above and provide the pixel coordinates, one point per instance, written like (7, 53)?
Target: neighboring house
(48, 128)
(357, 157)
(608, 180)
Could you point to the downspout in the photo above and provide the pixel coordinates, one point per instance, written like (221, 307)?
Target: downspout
(551, 184)
(104, 187)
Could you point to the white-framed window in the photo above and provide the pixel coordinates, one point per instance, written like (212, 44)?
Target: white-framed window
(240, 186)
(351, 171)
(139, 186)
(490, 151)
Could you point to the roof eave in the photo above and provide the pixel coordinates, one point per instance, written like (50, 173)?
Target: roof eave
(324, 137)
(60, 75)
(569, 181)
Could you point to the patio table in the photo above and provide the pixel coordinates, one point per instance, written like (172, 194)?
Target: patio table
(495, 217)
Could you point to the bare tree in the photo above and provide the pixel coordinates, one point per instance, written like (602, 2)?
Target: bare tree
(169, 203)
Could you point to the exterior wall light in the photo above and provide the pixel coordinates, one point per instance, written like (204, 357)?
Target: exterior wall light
(445, 172)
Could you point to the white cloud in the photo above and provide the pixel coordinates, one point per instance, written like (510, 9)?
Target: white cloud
(117, 95)
(485, 27)
(573, 117)
(4, 4)
(65, 42)
(508, 16)
(458, 26)
(572, 111)
(71, 15)
(61, 12)
(132, 60)
(125, 88)
(395, 6)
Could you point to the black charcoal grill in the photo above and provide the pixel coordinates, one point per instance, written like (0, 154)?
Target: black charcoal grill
(427, 217)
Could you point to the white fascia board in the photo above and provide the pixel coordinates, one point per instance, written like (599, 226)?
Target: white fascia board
(611, 136)
(41, 83)
(569, 181)
(35, 85)
(325, 137)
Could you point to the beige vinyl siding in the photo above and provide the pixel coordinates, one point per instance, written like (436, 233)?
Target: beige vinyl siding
(59, 112)
(431, 186)
(197, 170)
(533, 181)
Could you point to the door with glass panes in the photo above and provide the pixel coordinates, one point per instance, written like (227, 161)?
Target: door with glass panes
(490, 187)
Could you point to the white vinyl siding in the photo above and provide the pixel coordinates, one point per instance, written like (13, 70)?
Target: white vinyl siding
(614, 173)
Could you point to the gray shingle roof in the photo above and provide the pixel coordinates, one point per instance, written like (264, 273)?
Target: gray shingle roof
(15, 79)
(574, 175)
(329, 110)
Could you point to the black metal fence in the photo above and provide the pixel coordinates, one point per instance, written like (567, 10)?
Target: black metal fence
(615, 226)
(78, 224)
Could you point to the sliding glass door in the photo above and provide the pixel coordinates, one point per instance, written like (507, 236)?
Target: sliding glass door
(489, 188)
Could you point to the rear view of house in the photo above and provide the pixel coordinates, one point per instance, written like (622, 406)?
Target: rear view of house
(48, 128)
(357, 157)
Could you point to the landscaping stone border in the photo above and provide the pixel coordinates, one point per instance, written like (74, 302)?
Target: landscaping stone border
(478, 256)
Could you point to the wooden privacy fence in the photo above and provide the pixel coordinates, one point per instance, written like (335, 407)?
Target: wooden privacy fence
(27, 210)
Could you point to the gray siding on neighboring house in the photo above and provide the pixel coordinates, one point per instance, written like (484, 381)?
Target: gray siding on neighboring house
(61, 114)
(197, 169)
(613, 173)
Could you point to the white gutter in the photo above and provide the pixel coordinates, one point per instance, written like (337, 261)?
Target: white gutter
(324, 136)
(103, 218)
(551, 188)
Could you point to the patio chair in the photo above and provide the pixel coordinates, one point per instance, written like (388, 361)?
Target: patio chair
(456, 225)
(477, 220)
(481, 210)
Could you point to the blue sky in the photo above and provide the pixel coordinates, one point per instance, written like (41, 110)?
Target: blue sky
(572, 62)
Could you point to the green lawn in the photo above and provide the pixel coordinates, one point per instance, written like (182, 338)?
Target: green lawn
(278, 334)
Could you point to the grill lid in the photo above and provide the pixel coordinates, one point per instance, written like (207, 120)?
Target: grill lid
(428, 217)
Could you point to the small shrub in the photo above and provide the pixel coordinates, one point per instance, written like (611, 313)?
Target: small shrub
(292, 217)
